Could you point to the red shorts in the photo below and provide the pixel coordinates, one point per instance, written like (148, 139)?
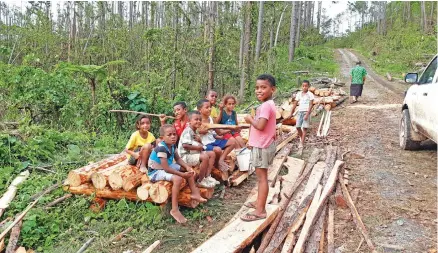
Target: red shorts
(229, 135)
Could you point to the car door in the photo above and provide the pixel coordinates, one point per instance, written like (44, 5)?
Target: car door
(424, 104)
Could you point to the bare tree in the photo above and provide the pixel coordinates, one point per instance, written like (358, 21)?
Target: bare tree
(259, 31)
(245, 62)
(293, 27)
(318, 19)
(212, 25)
(300, 6)
(423, 17)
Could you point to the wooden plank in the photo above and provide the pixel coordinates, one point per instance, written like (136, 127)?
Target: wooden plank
(294, 169)
(331, 228)
(288, 196)
(238, 234)
(289, 242)
(277, 163)
(239, 178)
(315, 177)
(315, 237)
(312, 216)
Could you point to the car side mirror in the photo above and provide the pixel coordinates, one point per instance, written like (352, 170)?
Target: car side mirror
(411, 78)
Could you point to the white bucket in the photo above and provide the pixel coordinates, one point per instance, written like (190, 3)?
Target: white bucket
(243, 159)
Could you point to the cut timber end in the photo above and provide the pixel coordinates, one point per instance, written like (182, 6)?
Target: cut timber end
(158, 193)
(132, 181)
(74, 178)
(237, 234)
(99, 181)
(143, 191)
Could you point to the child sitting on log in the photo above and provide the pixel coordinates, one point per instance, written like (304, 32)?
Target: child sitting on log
(162, 168)
(194, 153)
(141, 143)
(228, 116)
(214, 140)
(181, 118)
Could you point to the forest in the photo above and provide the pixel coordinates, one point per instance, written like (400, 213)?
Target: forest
(64, 65)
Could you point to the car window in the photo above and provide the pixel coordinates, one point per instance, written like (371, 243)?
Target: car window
(429, 73)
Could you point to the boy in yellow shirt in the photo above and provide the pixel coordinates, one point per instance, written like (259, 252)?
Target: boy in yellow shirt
(141, 143)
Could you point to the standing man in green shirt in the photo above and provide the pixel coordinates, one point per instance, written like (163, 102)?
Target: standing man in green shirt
(358, 76)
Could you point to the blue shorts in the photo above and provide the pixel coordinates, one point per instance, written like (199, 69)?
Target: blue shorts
(217, 143)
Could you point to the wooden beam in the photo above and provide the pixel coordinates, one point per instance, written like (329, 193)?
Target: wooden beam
(311, 218)
(293, 135)
(331, 228)
(238, 234)
(314, 157)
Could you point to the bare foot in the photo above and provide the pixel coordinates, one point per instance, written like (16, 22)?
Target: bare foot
(198, 198)
(177, 215)
(143, 169)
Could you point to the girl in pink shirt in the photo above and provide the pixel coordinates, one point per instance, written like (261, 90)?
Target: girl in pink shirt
(261, 139)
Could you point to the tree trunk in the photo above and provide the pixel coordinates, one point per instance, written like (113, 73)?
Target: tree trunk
(318, 20)
(242, 42)
(120, 9)
(305, 17)
(175, 46)
(297, 40)
(13, 239)
(278, 26)
(212, 32)
(259, 31)
(293, 27)
(245, 61)
(423, 16)
(82, 175)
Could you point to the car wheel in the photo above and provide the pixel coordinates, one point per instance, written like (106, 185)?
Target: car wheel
(405, 133)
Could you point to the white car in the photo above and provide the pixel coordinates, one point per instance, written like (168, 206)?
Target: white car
(419, 120)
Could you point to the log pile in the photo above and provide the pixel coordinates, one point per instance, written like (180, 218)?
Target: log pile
(302, 220)
(113, 178)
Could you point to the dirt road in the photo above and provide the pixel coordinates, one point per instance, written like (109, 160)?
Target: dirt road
(398, 189)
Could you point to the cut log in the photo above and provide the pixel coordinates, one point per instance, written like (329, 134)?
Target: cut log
(356, 217)
(158, 193)
(152, 247)
(206, 193)
(290, 122)
(10, 193)
(132, 182)
(97, 204)
(314, 157)
(82, 175)
(2, 244)
(117, 177)
(219, 175)
(331, 229)
(100, 179)
(238, 234)
(121, 234)
(143, 191)
(311, 216)
(13, 239)
(58, 200)
(285, 114)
